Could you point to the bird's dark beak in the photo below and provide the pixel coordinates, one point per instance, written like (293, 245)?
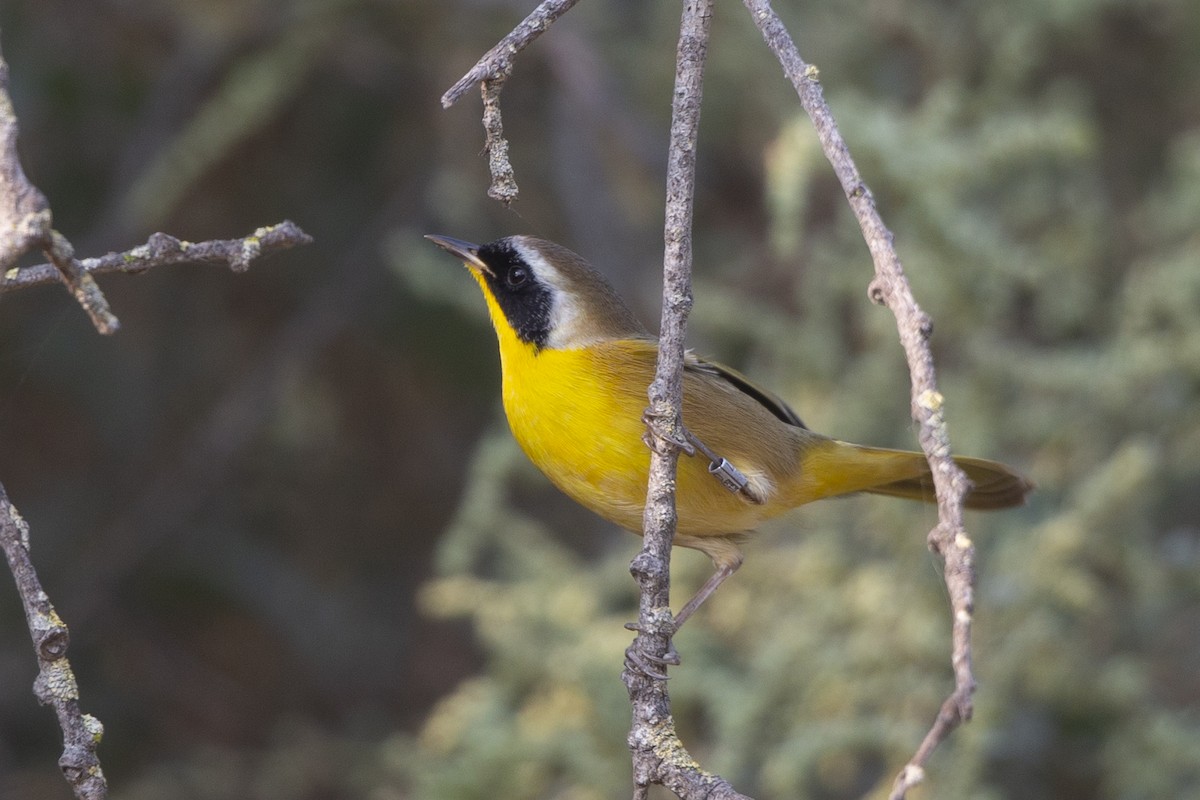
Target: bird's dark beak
(469, 253)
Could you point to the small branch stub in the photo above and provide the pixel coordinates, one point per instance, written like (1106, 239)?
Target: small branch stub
(52, 644)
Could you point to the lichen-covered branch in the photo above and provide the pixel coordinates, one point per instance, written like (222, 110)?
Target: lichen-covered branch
(162, 250)
(55, 684)
(658, 754)
(504, 180)
(890, 287)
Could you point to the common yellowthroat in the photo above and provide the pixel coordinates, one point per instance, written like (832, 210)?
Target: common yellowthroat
(576, 367)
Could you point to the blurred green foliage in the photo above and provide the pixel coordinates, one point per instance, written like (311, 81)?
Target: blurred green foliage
(301, 556)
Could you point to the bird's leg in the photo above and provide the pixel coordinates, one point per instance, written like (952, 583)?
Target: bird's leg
(649, 664)
(719, 467)
(730, 476)
(655, 433)
(732, 479)
(704, 591)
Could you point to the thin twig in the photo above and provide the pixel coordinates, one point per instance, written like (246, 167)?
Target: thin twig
(891, 288)
(490, 72)
(55, 684)
(497, 62)
(163, 250)
(658, 754)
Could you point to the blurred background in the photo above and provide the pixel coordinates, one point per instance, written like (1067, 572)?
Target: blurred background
(298, 552)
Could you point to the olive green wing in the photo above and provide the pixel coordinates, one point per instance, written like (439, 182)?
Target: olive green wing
(766, 399)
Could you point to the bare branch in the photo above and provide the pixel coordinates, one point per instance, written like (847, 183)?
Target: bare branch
(891, 288)
(162, 250)
(490, 72)
(55, 684)
(496, 64)
(658, 754)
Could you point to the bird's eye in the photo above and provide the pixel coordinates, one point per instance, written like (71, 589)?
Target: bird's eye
(516, 277)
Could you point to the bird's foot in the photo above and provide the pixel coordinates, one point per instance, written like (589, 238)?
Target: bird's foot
(657, 436)
(689, 444)
(652, 665)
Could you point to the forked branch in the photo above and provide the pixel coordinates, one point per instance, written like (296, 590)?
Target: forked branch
(490, 72)
(497, 62)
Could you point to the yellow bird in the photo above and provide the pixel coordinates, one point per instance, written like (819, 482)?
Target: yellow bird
(576, 368)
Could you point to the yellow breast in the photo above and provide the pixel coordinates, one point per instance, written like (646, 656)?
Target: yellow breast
(577, 415)
(573, 417)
